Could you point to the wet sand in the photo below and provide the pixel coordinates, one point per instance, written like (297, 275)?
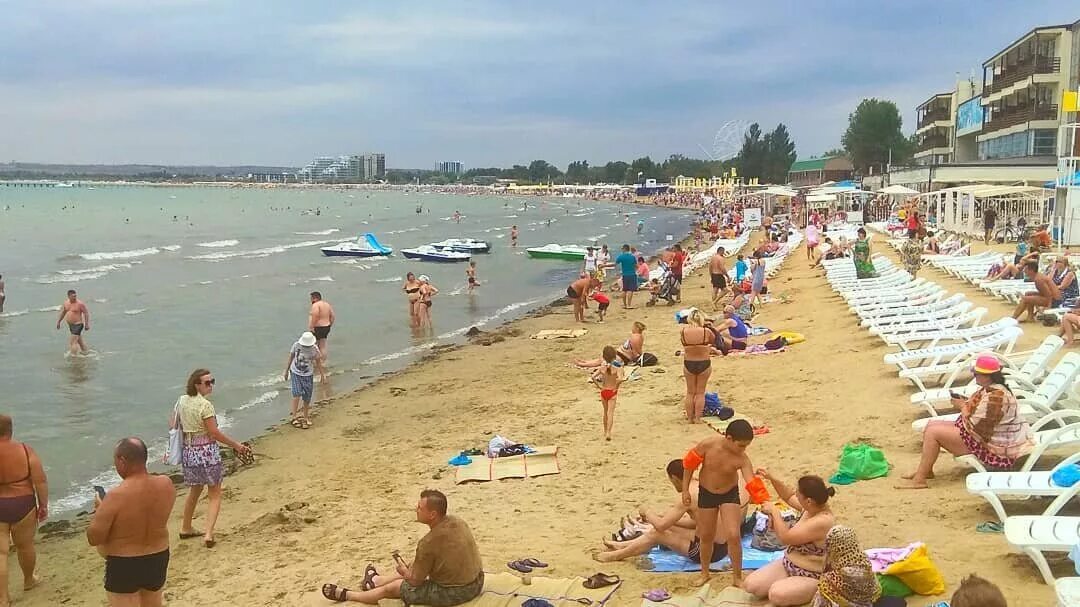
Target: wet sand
(321, 503)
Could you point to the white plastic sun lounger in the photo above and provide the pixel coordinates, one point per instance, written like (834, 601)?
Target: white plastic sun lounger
(1067, 590)
(1034, 535)
(925, 357)
(898, 295)
(889, 319)
(1023, 369)
(968, 319)
(927, 304)
(993, 486)
(929, 339)
(1067, 434)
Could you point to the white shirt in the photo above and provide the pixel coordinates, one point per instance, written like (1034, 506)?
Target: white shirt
(590, 262)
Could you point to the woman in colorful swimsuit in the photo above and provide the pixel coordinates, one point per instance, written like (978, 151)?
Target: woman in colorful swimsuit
(697, 341)
(793, 579)
(412, 291)
(24, 501)
(628, 353)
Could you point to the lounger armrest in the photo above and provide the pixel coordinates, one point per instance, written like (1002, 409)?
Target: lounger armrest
(1061, 417)
(1068, 461)
(1061, 500)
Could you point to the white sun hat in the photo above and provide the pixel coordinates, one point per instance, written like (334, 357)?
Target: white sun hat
(307, 339)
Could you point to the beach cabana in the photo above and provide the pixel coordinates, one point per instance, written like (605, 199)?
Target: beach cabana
(960, 209)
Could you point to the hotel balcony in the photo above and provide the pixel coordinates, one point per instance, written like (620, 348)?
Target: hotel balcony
(941, 114)
(999, 120)
(930, 143)
(1021, 70)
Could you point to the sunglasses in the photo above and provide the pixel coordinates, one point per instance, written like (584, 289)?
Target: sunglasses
(209, 382)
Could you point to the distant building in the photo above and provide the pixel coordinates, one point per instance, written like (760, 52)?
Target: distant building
(374, 166)
(816, 171)
(344, 169)
(271, 177)
(450, 167)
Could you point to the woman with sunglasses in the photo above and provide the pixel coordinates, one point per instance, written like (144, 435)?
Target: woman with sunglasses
(201, 459)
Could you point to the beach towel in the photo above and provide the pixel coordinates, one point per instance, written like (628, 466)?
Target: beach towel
(753, 350)
(860, 462)
(560, 333)
(543, 461)
(728, 597)
(666, 561)
(719, 424)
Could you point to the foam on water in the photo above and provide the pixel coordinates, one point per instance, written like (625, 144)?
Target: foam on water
(100, 256)
(171, 247)
(51, 280)
(50, 309)
(256, 253)
(322, 279)
(217, 244)
(261, 399)
(487, 319)
(318, 233)
(273, 379)
(15, 313)
(135, 311)
(391, 279)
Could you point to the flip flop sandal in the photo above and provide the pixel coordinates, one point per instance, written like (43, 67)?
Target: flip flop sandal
(334, 592)
(657, 595)
(296, 423)
(531, 562)
(305, 423)
(601, 580)
(989, 527)
(519, 566)
(192, 535)
(369, 576)
(536, 603)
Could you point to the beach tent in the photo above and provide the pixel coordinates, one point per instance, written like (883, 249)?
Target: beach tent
(898, 190)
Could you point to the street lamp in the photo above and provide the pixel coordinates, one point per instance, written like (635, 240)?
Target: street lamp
(639, 174)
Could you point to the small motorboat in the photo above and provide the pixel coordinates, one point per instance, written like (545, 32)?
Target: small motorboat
(365, 246)
(430, 253)
(464, 245)
(555, 251)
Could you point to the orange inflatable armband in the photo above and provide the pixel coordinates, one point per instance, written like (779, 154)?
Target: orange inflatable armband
(692, 460)
(759, 494)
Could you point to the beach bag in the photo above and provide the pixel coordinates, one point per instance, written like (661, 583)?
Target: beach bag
(893, 586)
(919, 573)
(175, 449)
(860, 462)
(775, 343)
(647, 360)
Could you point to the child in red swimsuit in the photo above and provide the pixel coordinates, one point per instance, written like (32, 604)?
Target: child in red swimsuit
(608, 378)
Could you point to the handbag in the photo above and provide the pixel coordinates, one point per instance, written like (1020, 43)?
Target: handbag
(174, 451)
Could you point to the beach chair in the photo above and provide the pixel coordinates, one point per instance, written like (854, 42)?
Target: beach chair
(1067, 590)
(1004, 341)
(928, 305)
(1023, 369)
(886, 321)
(993, 486)
(929, 339)
(971, 318)
(1036, 535)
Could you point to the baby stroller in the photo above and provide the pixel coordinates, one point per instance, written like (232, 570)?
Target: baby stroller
(669, 286)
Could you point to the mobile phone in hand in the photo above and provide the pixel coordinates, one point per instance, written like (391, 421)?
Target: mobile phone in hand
(956, 395)
(100, 491)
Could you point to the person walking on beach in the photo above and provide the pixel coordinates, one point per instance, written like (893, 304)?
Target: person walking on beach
(628, 269)
(578, 292)
(513, 236)
(130, 528)
(470, 276)
(721, 459)
(24, 502)
(608, 378)
(590, 267)
(201, 457)
(304, 360)
(757, 277)
(989, 220)
(697, 341)
(77, 316)
(446, 571)
(718, 274)
(320, 320)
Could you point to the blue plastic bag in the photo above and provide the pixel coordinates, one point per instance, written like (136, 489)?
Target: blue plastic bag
(1066, 476)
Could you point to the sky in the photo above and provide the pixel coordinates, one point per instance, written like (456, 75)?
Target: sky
(487, 83)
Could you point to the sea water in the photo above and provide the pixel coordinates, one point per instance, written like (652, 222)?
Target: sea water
(188, 277)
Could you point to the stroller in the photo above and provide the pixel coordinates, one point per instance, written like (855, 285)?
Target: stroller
(670, 287)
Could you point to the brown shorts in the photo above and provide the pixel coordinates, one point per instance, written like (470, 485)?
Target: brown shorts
(437, 595)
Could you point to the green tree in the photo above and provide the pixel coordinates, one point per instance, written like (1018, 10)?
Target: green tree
(874, 128)
(834, 152)
(577, 172)
(645, 166)
(541, 171)
(779, 154)
(615, 172)
(751, 158)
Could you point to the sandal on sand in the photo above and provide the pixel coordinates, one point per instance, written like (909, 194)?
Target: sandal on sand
(209, 543)
(296, 423)
(656, 595)
(519, 566)
(601, 580)
(305, 423)
(193, 534)
(335, 593)
(989, 527)
(369, 576)
(531, 562)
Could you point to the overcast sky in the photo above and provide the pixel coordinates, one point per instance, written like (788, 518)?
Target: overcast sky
(488, 83)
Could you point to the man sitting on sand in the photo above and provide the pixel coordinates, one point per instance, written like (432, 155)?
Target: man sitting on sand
(676, 529)
(447, 570)
(130, 528)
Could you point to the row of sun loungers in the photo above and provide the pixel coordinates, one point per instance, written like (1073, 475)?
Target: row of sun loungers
(936, 337)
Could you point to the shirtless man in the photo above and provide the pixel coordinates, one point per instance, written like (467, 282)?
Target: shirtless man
(721, 458)
(130, 528)
(2, 296)
(513, 236)
(1042, 297)
(719, 274)
(675, 529)
(320, 321)
(470, 275)
(78, 319)
(578, 292)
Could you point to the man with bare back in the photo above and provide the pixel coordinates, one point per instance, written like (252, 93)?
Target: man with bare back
(74, 311)
(719, 275)
(721, 459)
(320, 320)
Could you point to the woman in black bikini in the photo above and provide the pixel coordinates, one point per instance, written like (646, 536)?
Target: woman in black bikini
(412, 290)
(697, 340)
(24, 501)
(423, 305)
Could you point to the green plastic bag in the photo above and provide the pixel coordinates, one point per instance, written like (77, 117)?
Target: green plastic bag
(860, 462)
(893, 586)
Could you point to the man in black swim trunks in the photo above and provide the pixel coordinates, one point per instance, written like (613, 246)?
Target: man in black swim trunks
(130, 528)
(320, 320)
(719, 274)
(721, 459)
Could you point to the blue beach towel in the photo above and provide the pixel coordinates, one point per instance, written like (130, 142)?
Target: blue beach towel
(666, 561)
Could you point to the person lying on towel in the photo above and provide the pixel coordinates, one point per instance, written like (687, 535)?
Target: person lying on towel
(675, 529)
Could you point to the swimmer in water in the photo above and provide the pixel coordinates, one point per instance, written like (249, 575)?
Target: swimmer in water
(640, 226)
(513, 236)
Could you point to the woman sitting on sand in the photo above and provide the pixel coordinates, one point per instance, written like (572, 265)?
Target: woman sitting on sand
(629, 352)
(989, 427)
(642, 270)
(412, 291)
(793, 579)
(697, 341)
(849, 579)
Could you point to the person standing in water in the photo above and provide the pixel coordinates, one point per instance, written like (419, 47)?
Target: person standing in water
(74, 312)
(2, 296)
(470, 276)
(423, 305)
(513, 236)
(457, 216)
(640, 226)
(320, 320)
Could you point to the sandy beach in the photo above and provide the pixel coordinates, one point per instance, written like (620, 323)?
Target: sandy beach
(320, 504)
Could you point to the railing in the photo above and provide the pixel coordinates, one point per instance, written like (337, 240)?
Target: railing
(929, 143)
(1019, 116)
(933, 116)
(1016, 73)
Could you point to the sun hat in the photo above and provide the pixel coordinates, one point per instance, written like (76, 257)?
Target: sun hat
(987, 364)
(307, 339)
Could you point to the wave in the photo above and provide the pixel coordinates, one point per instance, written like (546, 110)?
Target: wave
(273, 379)
(101, 300)
(322, 279)
(50, 280)
(374, 360)
(206, 282)
(256, 253)
(487, 319)
(412, 229)
(135, 311)
(49, 309)
(171, 247)
(391, 279)
(356, 264)
(216, 244)
(318, 233)
(15, 313)
(261, 399)
(101, 256)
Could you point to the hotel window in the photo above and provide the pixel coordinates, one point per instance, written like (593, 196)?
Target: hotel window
(1044, 142)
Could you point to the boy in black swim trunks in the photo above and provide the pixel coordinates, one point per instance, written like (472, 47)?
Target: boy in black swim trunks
(721, 459)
